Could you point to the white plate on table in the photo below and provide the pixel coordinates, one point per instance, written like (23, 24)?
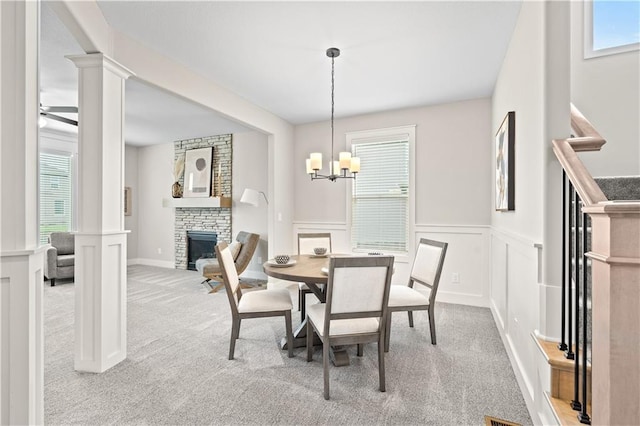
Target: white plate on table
(320, 255)
(275, 264)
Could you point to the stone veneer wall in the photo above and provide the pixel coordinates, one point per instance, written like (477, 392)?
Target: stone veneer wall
(205, 219)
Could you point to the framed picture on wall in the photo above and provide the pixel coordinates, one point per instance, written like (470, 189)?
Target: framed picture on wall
(198, 178)
(505, 163)
(127, 201)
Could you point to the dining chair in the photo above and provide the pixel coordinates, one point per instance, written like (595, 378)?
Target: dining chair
(307, 241)
(355, 309)
(426, 270)
(252, 304)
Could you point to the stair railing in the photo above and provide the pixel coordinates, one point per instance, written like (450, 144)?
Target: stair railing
(574, 283)
(578, 189)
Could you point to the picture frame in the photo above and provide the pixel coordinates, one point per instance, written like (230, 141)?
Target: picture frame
(127, 201)
(198, 176)
(505, 163)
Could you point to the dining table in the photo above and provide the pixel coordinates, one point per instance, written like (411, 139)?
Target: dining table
(311, 270)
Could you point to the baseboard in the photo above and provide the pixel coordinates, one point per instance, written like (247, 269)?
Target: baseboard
(152, 262)
(462, 299)
(516, 366)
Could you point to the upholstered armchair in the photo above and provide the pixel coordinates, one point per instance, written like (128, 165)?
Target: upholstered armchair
(242, 251)
(60, 256)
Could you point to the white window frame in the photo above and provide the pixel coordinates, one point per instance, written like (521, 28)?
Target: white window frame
(380, 135)
(58, 143)
(589, 52)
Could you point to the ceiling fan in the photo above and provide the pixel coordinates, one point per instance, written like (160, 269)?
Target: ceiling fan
(49, 112)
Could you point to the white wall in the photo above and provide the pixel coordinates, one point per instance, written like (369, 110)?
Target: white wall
(155, 223)
(607, 91)
(131, 180)
(453, 189)
(452, 163)
(533, 82)
(149, 173)
(250, 151)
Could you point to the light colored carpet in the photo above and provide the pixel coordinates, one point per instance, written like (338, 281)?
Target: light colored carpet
(177, 371)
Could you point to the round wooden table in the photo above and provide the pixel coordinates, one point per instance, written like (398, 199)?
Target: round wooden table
(307, 269)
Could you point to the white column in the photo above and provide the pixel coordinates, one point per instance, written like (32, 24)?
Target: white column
(21, 260)
(101, 241)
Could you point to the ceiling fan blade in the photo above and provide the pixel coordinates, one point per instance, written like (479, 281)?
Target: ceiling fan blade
(59, 118)
(69, 109)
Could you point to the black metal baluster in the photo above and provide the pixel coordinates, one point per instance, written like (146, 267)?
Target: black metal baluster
(572, 266)
(565, 229)
(575, 403)
(583, 417)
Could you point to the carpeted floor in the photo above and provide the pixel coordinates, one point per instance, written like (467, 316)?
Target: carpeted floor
(177, 370)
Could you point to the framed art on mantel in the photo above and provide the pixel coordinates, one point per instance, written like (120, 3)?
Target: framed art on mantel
(505, 164)
(197, 172)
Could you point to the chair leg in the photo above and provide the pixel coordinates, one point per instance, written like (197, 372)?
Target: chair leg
(309, 341)
(325, 366)
(381, 364)
(287, 320)
(235, 332)
(360, 349)
(302, 305)
(432, 325)
(410, 313)
(387, 334)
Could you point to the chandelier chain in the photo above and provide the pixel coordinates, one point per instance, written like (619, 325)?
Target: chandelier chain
(332, 104)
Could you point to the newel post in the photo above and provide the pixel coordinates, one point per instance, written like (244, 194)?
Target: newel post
(615, 257)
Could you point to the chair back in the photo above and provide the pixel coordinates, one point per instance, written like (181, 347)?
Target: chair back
(358, 287)
(229, 275)
(64, 242)
(308, 241)
(249, 244)
(427, 265)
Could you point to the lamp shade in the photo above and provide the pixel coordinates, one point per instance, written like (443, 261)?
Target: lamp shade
(250, 196)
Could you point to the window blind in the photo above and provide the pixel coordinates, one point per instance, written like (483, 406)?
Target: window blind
(380, 196)
(55, 194)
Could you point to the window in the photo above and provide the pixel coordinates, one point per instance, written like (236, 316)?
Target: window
(381, 196)
(611, 27)
(55, 194)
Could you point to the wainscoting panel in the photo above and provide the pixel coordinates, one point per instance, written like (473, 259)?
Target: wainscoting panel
(467, 256)
(467, 262)
(515, 303)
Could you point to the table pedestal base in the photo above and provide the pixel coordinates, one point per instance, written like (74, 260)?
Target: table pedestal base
(337, 354)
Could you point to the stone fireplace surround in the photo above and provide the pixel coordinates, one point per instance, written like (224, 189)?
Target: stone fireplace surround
(215, 219)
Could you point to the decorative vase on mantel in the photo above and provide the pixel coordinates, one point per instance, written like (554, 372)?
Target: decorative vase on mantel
(176, 190)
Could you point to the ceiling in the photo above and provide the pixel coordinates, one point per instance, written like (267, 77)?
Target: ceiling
(393, 55)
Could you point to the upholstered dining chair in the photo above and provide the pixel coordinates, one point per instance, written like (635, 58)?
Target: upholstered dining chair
(355, 309)
(307, 241)
(252, 304)
(426, 270)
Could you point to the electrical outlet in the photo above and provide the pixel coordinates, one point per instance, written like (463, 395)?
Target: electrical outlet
(455, 278)
(259, 259)
(159, 250)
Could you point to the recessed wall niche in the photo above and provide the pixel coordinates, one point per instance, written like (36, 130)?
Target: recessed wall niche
(205, 219)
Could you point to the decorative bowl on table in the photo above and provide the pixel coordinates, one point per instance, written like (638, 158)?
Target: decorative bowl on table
(375, 253)
(319, 251)
(282, 259)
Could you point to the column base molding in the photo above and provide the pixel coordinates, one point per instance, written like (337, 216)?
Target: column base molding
(100, 300)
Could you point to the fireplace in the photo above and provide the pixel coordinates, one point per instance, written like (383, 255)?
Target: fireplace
(200, 244)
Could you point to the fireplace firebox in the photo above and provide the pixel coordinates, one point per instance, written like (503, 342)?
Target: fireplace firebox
(200, 244)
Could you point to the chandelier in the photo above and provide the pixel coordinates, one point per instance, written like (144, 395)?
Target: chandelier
(345, 163)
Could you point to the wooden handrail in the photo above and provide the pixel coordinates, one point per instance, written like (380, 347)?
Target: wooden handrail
(588, 139)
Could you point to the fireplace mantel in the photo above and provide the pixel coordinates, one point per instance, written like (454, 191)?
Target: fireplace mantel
(210, 202)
